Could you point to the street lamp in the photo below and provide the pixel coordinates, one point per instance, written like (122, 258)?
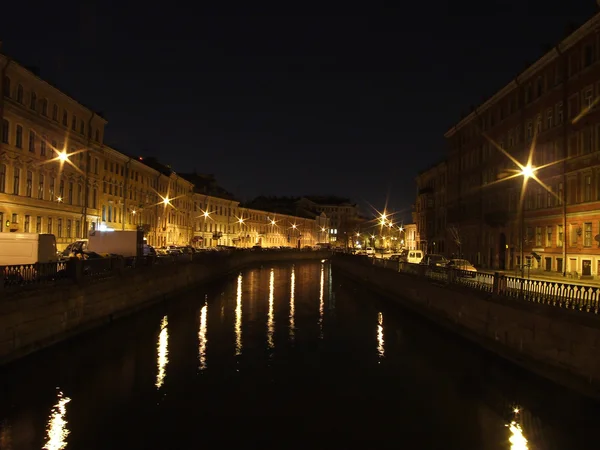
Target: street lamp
(527, 172)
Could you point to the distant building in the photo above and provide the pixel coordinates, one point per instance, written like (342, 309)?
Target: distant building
(344, 218)
(430, 209)
(411, 237)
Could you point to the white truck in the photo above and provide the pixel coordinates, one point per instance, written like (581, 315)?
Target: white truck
(124, 243)
(27, 248)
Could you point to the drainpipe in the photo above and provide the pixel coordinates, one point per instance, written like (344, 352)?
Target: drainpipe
(125, 189)
(565, 136)
(86, 188)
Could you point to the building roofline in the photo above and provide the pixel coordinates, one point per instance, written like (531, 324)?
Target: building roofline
(53, 88)
(548, 57)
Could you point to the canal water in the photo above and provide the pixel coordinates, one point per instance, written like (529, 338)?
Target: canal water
(288, 357)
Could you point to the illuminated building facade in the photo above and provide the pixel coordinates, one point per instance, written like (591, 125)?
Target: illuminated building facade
(58, 177)
(39, 191)
(430, 209)
(549, 112)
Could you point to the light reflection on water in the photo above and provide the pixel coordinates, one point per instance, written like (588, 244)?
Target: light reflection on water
(321, 300)
(415, 364)
(202, 339)
(380, 341)
(271, 316)
(292, 304)
(163, 352)
(238, 317)
(517, 437)
(57, 431)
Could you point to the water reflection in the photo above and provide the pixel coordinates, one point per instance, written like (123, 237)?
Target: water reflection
(271, 317)
(292, 304)
(238, 317)
(163, 352)
(380, 342)
(202, 339)
(57, 425)
(517, 438)
(321, 300)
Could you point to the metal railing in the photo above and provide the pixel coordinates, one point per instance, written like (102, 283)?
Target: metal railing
(552, 293)
(75, 269)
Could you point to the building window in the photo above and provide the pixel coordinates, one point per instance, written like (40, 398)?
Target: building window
(49, 226)
(26, 224)
(560, 193)
(20, 93)
(5, 131)
(55, 112)
(70, 193)
(16, 180)
(559, 113)
(65, 120)
(68, 228)
(538, 236)
(573, 235)
(61, 189)
(45, 107)
(559, 235)
(29, 187)
(103, 213)
(2, 178)
(33, 101)
(82, 127)
(6, 87)
(587, 141)
(43, 146)
(77, 229)
(38, 224)
(74, 122)
(59, 233)
(548, 236)
(587, 234)
(94, 196)
(549, 119)
(51, 189)
(97, 136)
(529, 130)
(41, 186)
(587, 189)
(31, 141)
(19, 137)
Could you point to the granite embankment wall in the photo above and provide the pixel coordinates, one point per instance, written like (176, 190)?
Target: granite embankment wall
(557, 343)
(32, 318)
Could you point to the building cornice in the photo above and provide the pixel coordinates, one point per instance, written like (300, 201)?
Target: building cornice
(547, 58)
(28, 73)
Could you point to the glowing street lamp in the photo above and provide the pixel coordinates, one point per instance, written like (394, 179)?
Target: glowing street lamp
(63, 156)
(527, 172)
(166, 201)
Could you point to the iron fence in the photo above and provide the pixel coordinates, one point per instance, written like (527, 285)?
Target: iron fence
(552, 293)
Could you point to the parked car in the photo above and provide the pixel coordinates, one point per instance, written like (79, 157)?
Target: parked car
(415, 256)
(434, 260)
(466, 268)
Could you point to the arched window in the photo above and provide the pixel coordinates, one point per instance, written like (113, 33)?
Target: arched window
(6, 87)
(45, 107)
(33, 101)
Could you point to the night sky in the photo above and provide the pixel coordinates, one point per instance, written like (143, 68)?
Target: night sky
(353, 104)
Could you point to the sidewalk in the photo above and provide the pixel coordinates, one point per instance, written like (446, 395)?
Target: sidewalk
(541, 275)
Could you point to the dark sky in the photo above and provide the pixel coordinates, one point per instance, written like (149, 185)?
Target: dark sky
(353, 104)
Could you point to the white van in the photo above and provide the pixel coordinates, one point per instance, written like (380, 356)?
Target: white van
(415, 256)
(27, 248)
(370, 251)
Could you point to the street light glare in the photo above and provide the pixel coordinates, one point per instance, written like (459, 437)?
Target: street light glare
(527, 171)
(63, 157)
(166, 201)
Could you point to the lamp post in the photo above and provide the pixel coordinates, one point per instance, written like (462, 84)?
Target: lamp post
(526, 171)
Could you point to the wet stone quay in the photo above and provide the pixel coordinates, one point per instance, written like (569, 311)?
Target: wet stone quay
(282, 356)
